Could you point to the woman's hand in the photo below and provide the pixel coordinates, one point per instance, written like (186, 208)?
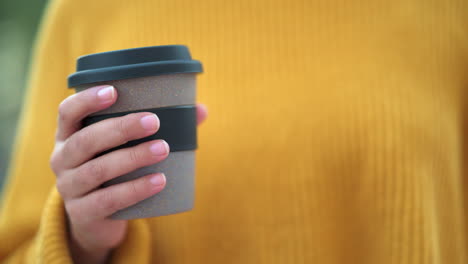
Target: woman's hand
(92, 234)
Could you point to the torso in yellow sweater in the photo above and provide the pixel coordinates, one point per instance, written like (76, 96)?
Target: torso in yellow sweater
(335, 132)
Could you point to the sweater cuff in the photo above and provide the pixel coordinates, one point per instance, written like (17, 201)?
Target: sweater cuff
(52, 241)
(136, 248)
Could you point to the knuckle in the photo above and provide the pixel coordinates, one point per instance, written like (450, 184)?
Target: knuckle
(92, 173)
(54, 161)
(107, 202)
(63, 110)
(137, 190)
(122, 128)
(134, 155)
(133, 192)
(82, 140)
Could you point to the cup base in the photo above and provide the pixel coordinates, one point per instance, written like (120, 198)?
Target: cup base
(176, 197)
(126, 215)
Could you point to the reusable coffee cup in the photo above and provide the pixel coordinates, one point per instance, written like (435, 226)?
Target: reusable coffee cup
(161, 80)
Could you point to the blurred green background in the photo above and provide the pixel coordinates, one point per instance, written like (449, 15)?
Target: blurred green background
(19, 20)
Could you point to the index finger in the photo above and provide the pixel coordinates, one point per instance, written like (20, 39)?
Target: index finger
(77, 106)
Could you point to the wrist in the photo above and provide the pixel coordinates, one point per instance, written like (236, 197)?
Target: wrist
(81, 255)
(84, 255)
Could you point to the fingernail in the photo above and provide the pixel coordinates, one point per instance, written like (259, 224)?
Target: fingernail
(106, 93)
(150, 122)
(159, 148)
(158, 179)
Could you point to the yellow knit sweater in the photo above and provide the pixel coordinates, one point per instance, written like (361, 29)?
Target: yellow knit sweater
(336, 131)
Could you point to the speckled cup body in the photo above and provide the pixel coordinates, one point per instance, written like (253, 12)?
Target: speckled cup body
(179, 167)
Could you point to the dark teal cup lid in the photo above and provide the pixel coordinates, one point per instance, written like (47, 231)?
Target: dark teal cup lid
(133, 63)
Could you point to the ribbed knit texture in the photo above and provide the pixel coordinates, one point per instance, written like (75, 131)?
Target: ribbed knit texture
(336, 133)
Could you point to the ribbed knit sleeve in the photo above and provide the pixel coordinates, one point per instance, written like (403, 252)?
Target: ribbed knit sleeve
(33, 227)
(30, 179)
(50, 244)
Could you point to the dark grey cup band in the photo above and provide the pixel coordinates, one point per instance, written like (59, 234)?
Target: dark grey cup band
(178, 127)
